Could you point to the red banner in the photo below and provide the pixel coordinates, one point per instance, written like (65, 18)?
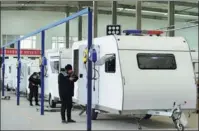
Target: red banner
(27, 52)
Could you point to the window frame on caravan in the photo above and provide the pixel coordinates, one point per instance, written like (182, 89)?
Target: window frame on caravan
(76, 61)
(17, 57)
(107, 70)
(173, 63)
(29, 70)
(33, 58)
(52, 66)
(10, 69)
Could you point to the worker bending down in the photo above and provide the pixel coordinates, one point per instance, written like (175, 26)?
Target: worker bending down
(66, 81)
(34, 82)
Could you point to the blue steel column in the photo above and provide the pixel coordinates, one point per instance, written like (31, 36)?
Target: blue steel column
(3, 70)
(89, 79)
(42, 70)
(18, 72)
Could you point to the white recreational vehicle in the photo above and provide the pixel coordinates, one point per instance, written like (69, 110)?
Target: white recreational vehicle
(56, 59)
(140, 75)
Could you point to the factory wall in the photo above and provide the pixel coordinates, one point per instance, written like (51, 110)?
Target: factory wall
(23, 22)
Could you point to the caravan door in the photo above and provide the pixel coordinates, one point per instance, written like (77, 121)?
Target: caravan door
(53, 70)
(82, 82)
(23, 77)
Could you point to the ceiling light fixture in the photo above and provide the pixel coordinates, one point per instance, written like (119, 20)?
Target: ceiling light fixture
(154, 12)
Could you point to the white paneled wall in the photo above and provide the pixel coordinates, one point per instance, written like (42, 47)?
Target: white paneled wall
(23, 22)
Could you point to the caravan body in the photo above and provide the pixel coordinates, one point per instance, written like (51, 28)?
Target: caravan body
(56, 59)
(10, 73)
(195, 63)
(24, 75)
(31, 67)
(146, 73)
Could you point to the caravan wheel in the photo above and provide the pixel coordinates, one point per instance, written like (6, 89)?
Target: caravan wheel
(51, 102)
(180, 127)
(15, 92)
(8, 89)
(94, 114)
(147, 117)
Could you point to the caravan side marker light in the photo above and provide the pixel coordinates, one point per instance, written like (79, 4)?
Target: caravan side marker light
(140, 32)
(154, 32)
(128, 32)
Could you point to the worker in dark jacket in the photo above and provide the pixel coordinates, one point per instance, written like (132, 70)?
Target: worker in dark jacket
(66, 81)
(34, 82)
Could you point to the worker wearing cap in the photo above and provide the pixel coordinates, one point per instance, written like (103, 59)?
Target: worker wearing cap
(34, 82)
(66, 81)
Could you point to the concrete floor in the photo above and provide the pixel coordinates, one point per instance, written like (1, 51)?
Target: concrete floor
(24, 117)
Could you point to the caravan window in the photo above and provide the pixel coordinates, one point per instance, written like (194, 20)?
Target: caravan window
(17, 57)
(110, 65)
(54, 66)
(156, 61)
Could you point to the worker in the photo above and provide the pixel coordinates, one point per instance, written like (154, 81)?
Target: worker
(34, 82)
(66, 81)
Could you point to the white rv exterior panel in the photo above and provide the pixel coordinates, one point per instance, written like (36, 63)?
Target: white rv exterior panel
(110, 91)
(110, 85)
(51, 81)
(10, 72)
(23, 76)
(65, 57)
(195, 62)
(195, 56)
(66, 54)
(156, 89)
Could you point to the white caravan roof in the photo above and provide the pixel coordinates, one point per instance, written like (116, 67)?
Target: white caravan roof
(153, 43)
(145, 43)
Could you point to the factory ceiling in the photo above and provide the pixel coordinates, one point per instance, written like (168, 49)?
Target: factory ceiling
(184, 11)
